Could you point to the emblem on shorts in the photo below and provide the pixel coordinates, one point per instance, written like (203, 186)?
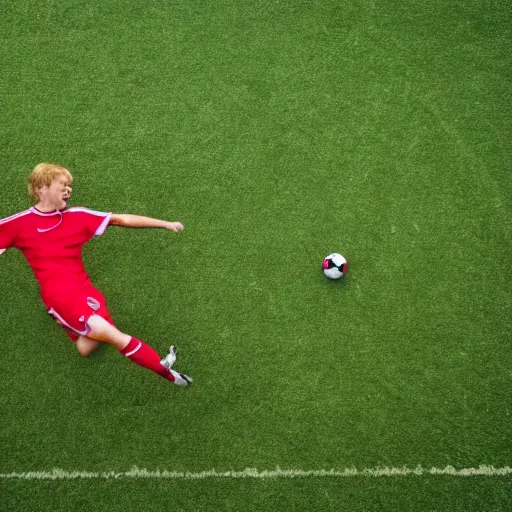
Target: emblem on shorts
(93, 303)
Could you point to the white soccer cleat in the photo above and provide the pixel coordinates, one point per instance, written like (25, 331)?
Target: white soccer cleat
(169, 360)
(180, 379)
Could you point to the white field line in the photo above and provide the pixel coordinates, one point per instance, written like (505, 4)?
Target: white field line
(139, 473)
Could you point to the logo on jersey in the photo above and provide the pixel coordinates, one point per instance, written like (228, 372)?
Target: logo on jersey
(54, 226)
(93, 303)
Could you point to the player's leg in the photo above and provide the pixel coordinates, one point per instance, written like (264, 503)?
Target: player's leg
(103, 331)
(85, 317)
(86, 345)
(136, 350)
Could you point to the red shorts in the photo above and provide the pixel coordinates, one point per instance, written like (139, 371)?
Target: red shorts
(73, 309)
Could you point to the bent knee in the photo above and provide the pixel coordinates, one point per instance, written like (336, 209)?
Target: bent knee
(83, 351)
(86, 346)
(102, 330)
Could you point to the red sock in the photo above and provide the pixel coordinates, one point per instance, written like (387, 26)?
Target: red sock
(143, 355)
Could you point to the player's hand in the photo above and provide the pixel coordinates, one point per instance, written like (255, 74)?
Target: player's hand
(174, 226)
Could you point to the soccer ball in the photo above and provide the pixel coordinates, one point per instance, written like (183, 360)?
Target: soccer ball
(335, 266)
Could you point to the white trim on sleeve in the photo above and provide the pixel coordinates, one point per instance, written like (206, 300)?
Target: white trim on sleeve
(103, 226)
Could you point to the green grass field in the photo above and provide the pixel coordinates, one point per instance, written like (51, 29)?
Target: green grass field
(277, 131)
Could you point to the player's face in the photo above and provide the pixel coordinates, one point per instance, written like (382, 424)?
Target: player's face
(57, 194)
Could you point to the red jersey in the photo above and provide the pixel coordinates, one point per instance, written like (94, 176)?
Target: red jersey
(52, 243)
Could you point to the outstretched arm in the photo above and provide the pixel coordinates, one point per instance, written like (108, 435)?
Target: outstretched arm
(127, 220)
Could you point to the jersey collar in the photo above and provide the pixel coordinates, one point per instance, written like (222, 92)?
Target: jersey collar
(33, 209)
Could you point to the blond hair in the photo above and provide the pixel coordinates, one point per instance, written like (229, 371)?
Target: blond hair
(43, 175)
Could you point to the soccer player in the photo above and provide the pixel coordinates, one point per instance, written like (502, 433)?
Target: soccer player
(51, 236)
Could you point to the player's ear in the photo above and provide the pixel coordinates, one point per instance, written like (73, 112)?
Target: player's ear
(41, 191)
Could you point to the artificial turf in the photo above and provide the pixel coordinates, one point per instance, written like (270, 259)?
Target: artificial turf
(277, 132)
